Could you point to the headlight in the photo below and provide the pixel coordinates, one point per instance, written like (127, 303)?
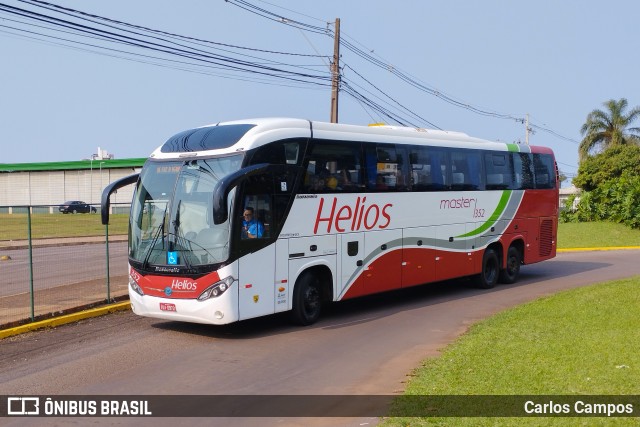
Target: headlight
(134, 285)
(216, 289)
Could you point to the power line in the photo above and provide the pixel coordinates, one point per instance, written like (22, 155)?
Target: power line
(138, 40)
(277, 18)
(143, 59)
(75, 12)
(382, 64)
(392, 99)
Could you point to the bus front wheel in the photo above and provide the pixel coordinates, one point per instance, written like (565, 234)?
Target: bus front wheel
(307, 300)
(490, 270)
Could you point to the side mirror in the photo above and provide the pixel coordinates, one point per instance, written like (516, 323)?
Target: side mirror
(108, 190)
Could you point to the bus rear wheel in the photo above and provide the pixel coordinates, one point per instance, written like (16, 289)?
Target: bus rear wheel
(307, 300)
(490, 270)
(510, 274)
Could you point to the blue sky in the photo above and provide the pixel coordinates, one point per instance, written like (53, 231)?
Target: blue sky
(556, 61)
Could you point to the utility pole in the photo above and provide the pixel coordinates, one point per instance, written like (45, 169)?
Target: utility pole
(335, 73)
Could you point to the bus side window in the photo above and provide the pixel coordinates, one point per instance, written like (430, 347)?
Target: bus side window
(498, 170)
(465, 167)
(522, 167)
(279, 153)
(544, 169)
(333, 167)
(439, 170)
(256, 221)
(385, 168)
(420, 167)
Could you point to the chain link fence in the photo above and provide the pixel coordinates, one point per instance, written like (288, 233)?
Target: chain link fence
(59, 259)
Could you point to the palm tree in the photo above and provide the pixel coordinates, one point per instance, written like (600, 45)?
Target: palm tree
(604, 129)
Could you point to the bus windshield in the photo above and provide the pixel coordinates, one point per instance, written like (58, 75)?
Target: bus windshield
(171, 222)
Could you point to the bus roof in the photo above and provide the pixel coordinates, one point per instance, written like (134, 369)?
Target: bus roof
(231, 137)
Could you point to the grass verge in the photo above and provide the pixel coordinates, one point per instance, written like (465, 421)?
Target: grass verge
(44, 226)
(596, 234)
(578, 342)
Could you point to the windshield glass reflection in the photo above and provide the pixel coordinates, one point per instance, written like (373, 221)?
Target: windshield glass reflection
(171, 217)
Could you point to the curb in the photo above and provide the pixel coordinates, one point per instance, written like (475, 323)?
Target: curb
(62, 320)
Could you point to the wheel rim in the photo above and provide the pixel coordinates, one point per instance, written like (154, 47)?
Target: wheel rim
(512, 265)
(311, 300)
(491, 271)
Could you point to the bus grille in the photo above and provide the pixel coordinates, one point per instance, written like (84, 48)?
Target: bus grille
(546, 237)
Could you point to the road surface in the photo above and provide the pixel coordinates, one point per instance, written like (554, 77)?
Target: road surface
(81, 263)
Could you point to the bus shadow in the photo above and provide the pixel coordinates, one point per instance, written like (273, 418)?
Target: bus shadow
(374, 307)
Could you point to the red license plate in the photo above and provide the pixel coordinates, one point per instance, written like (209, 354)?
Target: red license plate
(165, 306)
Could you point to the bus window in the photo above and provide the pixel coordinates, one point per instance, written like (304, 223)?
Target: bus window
(523, 179)
(333, 167)
(465, 170)
(256, 217)
(385, 168)
(428, 169)
(420, 166)
(498, 170)
(278, 153)
(544, 169)
(439, 170)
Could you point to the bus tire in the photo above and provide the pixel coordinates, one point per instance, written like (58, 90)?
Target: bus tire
(307, 300)
(490, 269)
(510, 274)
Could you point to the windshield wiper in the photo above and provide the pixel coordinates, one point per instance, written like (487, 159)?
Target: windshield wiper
(180, 239)
(156, 235)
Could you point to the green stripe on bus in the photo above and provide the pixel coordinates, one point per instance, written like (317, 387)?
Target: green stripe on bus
(513, 148)
(502, 204)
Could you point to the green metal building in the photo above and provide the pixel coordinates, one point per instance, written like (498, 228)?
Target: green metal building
(44, 186)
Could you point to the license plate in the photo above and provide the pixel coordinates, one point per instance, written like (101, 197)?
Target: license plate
(165, 306)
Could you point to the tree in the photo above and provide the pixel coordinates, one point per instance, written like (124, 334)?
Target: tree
(604, 129)
(609, 165)
(611, 188)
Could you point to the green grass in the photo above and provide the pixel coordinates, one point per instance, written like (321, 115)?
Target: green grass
(596, 234)
(578, 342)
(15, 226)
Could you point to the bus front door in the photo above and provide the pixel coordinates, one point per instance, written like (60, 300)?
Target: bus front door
(256, 281)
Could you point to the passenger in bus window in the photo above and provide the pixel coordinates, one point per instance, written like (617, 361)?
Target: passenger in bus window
(317, 183)
(381, 183)
(346, 181)
(332, 183)
(251, 227)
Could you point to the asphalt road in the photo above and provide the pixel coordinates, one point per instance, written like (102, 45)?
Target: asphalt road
(365, 346)
(60, 265)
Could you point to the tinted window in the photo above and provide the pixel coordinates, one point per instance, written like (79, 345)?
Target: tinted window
(522, 167)
(384, 168)
(279, 153)
(465, 170)
(498, 169)
(428, 169)
(207, 138)
(544, 171)
(333, 166)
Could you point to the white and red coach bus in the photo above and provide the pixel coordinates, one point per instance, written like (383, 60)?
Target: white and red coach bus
(343, 211)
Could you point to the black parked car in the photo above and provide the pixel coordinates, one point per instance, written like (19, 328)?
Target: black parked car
(76, 206)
